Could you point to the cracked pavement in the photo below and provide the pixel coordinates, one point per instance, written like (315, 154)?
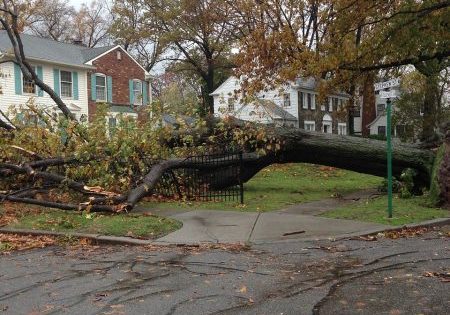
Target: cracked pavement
(292, 277)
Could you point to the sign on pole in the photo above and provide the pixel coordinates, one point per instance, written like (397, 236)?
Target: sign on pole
(388, 94)
(387, 84)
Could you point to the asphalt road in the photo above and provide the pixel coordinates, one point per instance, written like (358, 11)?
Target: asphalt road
(402, 276)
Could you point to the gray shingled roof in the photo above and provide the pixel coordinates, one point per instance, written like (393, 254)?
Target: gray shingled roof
(52, 51)
(275, 111)
(272, 109)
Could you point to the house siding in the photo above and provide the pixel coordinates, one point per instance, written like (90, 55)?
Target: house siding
(8, 96)
(231, 86)
(121, 72)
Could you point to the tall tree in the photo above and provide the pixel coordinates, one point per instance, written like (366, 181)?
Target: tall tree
(197, 35)
(91, 24)
(131, 30)
(51, 19)
(342, 39)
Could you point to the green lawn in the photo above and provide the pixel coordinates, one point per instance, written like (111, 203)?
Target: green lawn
(405, 211)
(279, 186)
(118, 224)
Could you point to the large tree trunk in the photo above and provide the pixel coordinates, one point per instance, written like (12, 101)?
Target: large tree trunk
(352, 153)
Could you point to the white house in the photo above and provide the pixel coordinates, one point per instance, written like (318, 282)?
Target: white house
(379, 124)
(81, 76)
(295, 104)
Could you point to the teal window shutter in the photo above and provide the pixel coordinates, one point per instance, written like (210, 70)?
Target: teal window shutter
(17, 79)
(144, 93)
(56, 81)
(75, 85)
(131, 92)
(41, 77)
(109, 89)
(93, 88)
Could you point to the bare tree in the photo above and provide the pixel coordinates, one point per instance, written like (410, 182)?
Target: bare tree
(51, 19)
(91, 23)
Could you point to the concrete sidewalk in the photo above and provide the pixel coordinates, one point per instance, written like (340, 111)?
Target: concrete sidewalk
(232, 226)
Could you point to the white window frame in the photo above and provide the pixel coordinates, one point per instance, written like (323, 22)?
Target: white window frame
(138, 100)
(106, 87)
(304, 99)
(340, 127)
(61, 84)
(309, 123)
(313, 101)
(23, 85)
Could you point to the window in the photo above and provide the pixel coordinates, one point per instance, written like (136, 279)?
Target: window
(335, 104)
(310, 125)
(380, 108)
(66, 83)
(119, 55)
(287, 100)
(137, 92)
(309, 98)
(100, 87)
(28, 86)
(230, 104)
(301, 100)
(382, 130)
(342, 128)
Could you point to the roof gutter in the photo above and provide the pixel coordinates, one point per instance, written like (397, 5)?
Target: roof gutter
(78, 66)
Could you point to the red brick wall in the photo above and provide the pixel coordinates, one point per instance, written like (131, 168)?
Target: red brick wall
(121, 72)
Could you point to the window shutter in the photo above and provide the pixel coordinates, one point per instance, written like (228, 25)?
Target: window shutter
(109, 89)
(93, 88)
(75, 85)
(18, 79)
(130, 84)
(144, 93)
(41, 77)
(56, 81)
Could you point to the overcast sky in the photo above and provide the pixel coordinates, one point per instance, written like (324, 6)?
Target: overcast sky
(77, 3)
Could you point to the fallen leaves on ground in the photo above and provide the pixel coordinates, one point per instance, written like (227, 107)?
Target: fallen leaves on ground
(10, 211)
(406, 232)
(443, 276)
(9, 242)
(395, 234)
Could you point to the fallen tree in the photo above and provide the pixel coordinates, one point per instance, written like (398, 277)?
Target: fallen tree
(351, 153)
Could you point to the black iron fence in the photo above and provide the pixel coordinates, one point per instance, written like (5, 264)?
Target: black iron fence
(209, 177)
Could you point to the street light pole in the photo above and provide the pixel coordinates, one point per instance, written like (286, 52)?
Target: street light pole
(389, 155)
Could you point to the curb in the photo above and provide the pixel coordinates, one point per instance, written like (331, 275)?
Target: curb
(429, 223)
(100, 239)
(122, 240)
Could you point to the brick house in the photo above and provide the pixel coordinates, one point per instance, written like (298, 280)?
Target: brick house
(120, 81)
(81, 76)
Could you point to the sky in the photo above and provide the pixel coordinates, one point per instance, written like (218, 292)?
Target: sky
(77, 3)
